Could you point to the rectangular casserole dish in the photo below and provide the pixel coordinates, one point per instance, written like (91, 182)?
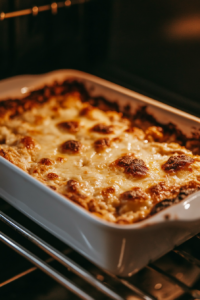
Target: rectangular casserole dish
(120, 249)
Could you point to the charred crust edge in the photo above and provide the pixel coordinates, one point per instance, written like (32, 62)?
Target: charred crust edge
(184, 192)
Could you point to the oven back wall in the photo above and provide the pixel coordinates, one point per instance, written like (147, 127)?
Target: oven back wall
(75, 38)
(158, 41)
(151, 47)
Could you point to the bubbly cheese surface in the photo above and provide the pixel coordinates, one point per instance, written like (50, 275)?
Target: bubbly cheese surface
(96, 158)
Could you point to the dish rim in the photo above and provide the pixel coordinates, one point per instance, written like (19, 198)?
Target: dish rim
(37, 81)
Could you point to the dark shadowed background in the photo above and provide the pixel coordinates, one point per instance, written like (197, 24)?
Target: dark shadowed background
(149, 46)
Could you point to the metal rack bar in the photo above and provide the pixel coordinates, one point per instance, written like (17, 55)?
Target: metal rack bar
(30, 270)
(18, 276)
(67, 262)
(45, 267)
(195, 261)
(81, 272)
(136, 290)
(192, 292)
(53, 7)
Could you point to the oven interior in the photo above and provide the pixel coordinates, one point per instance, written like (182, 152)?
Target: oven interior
(30, 272)
(150, 47)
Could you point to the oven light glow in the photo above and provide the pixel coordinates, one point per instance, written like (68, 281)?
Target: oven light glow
(24, 90)
(187, 205)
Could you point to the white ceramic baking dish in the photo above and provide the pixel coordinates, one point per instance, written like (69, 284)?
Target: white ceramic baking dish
(120, 249)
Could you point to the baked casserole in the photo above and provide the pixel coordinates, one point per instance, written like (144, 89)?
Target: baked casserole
(121, 167)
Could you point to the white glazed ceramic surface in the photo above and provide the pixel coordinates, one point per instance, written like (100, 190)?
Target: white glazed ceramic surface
(120, 249)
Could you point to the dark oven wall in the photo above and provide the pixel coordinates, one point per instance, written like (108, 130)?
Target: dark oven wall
(150, 46)
(154, 47)
(73, 38)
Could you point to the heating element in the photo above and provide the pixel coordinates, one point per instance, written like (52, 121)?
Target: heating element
(53, 7)
(174, 276)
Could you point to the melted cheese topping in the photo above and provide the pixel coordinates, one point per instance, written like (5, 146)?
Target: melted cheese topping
(75, 150)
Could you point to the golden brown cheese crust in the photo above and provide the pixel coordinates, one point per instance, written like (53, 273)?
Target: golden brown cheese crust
(137, 168)
(177, 162)
(102, 128)
(46, 161)
(28, 142)
(162, 191)
(101, 144)
(120, 167)
(135, 194)
(69, 126)
(71, 147)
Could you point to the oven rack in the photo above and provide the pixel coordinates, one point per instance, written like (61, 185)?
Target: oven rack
(108, 291)
(53, 7)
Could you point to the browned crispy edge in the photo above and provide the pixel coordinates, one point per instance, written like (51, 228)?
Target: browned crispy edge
(141, 118)
(185, 191)
(16, 107)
